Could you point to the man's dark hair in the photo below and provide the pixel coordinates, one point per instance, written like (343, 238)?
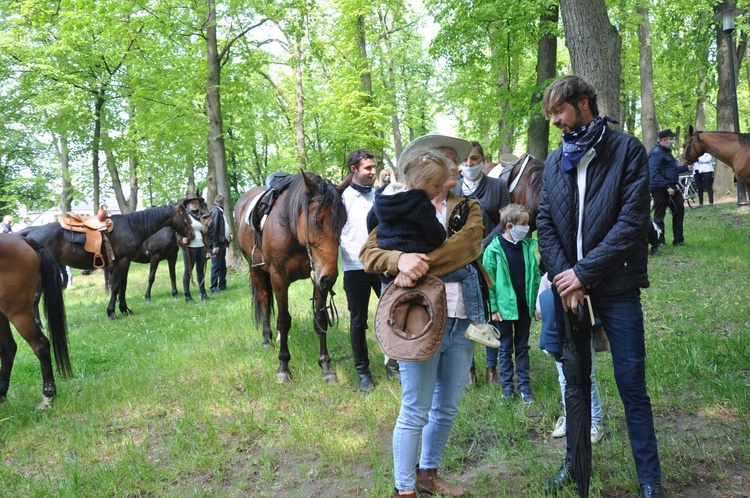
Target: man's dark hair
(219, 199)
(570, 89)
(356, 156)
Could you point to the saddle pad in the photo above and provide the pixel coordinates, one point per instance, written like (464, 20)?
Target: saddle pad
(74, 237)
(248, 214)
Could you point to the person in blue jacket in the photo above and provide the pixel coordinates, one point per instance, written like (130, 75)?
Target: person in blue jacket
(665, 172)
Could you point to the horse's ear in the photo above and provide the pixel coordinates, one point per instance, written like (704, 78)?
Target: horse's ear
(690, 130)
(309, 183)
(345, 182)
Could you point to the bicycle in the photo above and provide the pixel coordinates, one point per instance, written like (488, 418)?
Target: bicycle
(686, 184)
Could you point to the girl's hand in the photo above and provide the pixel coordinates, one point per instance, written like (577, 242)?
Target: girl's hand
(496, 317)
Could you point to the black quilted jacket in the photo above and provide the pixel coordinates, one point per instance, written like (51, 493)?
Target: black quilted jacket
(615, 218)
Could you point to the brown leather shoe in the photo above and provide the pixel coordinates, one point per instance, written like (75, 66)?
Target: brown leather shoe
(490, 375)
(472, 378)
(429, 482)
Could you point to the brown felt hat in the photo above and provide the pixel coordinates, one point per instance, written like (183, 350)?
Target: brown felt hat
(192, 197)
(410, 321)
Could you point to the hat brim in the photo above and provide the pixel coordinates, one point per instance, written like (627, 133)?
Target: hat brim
(461, 146)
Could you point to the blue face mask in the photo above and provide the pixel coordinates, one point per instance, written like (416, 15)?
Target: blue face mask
(670, 143)
(472, 172)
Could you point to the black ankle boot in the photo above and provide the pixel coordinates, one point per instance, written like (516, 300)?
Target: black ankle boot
(189, 298)
(204, 296)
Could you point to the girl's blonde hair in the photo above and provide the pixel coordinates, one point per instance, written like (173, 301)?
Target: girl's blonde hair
(424, 167)
(511, 213)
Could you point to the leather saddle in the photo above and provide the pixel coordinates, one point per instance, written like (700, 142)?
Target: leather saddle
(95, 228)
(275, 184)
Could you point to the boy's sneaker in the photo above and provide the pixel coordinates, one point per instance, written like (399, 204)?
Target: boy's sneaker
(560, 430)
(526, 396)
(483, 333)
(507, 397)
(597, 431)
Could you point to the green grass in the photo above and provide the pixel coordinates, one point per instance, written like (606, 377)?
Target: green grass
(181, 399)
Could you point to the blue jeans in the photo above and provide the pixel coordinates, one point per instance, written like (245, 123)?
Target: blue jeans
(622, 319)
(514, 335)
(431, 393)
(468, 277)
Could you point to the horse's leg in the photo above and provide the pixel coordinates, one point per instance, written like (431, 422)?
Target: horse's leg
(123, 287)
(171, 262)
(153, 265)
(320, 319)
(114, 288)
(283, 324)
(27, 325)
(261, 290)
(8, 349)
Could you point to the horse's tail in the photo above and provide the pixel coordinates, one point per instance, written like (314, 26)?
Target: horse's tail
(54, 307)
(107, 270)
(257, 308)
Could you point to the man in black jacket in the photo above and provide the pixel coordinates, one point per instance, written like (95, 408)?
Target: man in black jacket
(218, 239)
(665, 173)
(593, 228)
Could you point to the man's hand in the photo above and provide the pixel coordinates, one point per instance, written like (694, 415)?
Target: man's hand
(670, 191)
(569, 288)
(414, 265)
(216, 250)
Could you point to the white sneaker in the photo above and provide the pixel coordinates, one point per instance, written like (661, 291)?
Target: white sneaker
(483, 333)
(560, 428)
(597, 432)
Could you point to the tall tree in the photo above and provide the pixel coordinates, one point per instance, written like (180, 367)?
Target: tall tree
(546, 66)
(649, 122)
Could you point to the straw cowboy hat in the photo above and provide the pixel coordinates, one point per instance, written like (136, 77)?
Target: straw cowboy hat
(461, 146)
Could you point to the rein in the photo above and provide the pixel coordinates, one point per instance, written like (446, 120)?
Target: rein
(688, 150)
(331, 313)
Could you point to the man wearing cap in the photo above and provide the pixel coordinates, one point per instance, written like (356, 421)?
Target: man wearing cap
(219, 237)
(358, 198)
(665, 173)
(492, 193)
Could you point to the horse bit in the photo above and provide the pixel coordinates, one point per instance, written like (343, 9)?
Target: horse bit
(331, 313)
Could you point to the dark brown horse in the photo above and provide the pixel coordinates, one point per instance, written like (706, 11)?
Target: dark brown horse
(28, 271)
(300, 239)
(730, 148)
(525, 185)
(129, 233)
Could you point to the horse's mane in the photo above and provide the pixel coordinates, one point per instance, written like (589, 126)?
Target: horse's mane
(742, 138)
(298, 199)
(533, 168)
(145, 217)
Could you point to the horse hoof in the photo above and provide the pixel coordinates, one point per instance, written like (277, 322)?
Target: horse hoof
(127, 312)
(147, 298)
(112, 316)
(331, 378)
(46, 401)
(283, 377)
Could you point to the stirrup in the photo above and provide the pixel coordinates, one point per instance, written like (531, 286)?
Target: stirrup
(99, 261)
(252, 257)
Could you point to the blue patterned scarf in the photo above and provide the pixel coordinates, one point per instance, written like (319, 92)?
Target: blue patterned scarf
(577, 142)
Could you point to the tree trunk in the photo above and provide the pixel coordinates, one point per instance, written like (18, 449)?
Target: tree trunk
(700, 107)
(98, 106)
(594, 46)
(114, 175)
(546, 65)
(724, 176)
(649, 121)
(63, 155)
(365, 74)
(299, 114)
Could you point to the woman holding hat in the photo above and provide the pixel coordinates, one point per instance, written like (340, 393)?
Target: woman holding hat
(432, 389)
(194, 251)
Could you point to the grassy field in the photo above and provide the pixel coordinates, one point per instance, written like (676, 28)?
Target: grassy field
(181, 399)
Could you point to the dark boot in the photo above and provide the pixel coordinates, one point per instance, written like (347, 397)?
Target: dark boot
(188, 298)
(204, 296)
(472, 378)
(490, 375)
(430, 483)
(399, 494)
(361, 360)
(392, 370)
(651, 491)
(366, 384)
(560, 480)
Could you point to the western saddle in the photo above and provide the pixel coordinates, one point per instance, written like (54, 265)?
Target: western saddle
(96, 228)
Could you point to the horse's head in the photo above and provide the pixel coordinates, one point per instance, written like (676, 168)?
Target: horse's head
(180, 222)
(319, 226)
(691, 147)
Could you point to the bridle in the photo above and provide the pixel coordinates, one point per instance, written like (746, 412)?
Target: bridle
(331, 313)
(690, 147)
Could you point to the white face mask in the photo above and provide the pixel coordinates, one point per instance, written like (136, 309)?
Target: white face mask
(670, 143)
(471, 172)
(519, 232)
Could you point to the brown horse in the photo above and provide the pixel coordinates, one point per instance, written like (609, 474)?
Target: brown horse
(730, 148)
(129, 233)
(28, 271)
(300, 239)
(525, 185)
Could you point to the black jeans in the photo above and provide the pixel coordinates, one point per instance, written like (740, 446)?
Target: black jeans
(357, 285)
(705, 181)
(194, 257)
(676, 205)
(219, 270)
